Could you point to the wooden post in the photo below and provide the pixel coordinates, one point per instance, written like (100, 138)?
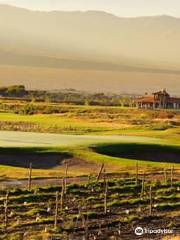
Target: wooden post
(89, 179)
(56, 211)
(62, 194)
(99, 174)
(30, 177)
(100, 230)
(143, 185)
(79, 217)
(6, 209)
(65, 181)
(172, 173)
(137, 172)
(150, 201)
(119, 229)
(165, 176)
(85, 226)
(104, 176)
(105, 193)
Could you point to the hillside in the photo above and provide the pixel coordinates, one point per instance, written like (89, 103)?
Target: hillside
(87, 45)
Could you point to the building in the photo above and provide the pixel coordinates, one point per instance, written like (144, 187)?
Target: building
(159, 99)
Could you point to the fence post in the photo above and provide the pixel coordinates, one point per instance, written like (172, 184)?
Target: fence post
(30, 177)
(105, 192)
(143, 185)
(65, 182)
(165, 176)
(62, 193)
(137, 172)
(56, 211)
(6, 209)
(88, 180)
(150, 201)
(85, 226)
(172, 174)
(99, 174)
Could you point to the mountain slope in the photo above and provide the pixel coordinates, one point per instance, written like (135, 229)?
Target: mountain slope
(87, 47)
(91, 36)
(8, 58)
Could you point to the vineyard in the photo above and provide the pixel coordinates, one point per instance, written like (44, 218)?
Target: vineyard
(102, 206)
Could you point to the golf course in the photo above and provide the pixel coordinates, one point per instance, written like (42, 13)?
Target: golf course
(89, 120)
(105, 169)
(49, 153)
(25, 139)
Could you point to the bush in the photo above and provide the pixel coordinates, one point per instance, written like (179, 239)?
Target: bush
(29, 109)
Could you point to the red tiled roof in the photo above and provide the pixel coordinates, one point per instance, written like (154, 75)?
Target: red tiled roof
(150, 99)
(146, 99)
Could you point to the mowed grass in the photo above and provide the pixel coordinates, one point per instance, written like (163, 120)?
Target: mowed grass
(53, 123)
(96, 120)
(82, 127)
(83, 160)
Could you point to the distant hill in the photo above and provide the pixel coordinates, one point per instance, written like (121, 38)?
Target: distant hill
(88, 41)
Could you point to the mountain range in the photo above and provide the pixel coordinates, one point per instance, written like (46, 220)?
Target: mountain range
(94, 51)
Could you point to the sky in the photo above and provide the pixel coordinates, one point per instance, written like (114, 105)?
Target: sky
(123, 8)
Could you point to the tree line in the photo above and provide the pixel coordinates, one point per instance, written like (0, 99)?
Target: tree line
(69, 96)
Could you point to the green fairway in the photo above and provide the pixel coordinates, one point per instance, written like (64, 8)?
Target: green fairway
(26, 139)
(48, 140)
(48, 152)
(101, 121)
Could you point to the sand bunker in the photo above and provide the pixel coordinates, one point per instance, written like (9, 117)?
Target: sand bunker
(39, 160)
(155, 153)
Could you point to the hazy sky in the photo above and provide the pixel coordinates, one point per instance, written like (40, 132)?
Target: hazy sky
(118, 7)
